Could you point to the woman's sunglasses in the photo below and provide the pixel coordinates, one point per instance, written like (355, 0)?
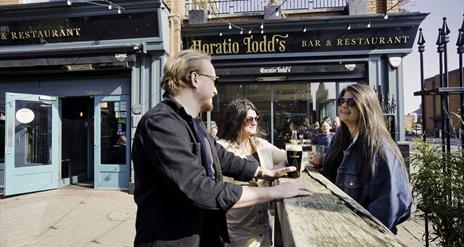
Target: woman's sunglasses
(249, 120)
(349, 101)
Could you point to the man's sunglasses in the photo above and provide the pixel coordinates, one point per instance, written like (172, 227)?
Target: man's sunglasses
(249, 120)
(214, 78)
(349, 101)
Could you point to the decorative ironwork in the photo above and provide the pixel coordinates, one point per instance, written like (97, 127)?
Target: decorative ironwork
(389, 105)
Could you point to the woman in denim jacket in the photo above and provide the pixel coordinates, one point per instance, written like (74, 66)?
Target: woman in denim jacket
(364, 161)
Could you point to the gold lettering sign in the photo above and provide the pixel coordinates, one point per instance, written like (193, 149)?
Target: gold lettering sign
(280, 43)
(249, 44)
(392, 40)
(41, 34)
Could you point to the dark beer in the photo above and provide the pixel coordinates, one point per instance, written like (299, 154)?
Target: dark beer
(294, 155)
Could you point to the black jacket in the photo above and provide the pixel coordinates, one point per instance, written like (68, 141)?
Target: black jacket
(178, 204)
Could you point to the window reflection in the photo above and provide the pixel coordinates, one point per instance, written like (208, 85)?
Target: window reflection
(113, 132)
(294, 106)
(33, 134)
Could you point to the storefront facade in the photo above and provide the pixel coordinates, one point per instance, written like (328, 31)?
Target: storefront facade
(295, 69)
(74, 81)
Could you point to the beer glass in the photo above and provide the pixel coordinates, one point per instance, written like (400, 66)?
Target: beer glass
(294, 155)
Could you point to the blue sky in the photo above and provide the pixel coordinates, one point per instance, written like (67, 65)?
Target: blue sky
(453, 10)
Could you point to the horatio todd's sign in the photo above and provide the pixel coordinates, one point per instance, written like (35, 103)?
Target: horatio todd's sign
(310, 41)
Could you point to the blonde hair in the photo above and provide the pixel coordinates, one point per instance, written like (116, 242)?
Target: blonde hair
(178, 68)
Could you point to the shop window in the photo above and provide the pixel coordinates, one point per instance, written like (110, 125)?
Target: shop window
(294, 106)
(258, 94)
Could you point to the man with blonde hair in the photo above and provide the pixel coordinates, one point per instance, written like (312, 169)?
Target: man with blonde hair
(179, 191)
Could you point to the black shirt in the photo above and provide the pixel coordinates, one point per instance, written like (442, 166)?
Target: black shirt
(177, 203)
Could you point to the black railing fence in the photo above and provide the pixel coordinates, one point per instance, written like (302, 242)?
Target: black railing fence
(443, 91)
(249, 6)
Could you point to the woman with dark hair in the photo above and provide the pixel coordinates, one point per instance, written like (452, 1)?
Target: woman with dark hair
(239, 134)
(364, 161)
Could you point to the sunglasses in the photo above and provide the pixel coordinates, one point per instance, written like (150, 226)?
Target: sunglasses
(249, 120)
(349, 101)
(214, 78)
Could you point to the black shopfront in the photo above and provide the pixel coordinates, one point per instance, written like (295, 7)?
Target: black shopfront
(295, 69)
(74, 80)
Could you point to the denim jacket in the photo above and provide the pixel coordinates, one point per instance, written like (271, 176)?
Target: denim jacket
(386, 195)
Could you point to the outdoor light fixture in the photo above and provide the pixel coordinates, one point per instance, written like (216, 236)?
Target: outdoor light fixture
(262, 26)
(350, 67)
(369, 25)
(386, 16)
(348, 27)
(220, 34)
(241, 31)
(271, 78)
(262, 31)
(79, 67)
(110, 7)
(230, 26)
(394, 62)
(304, 30)
(119, 10)
(249, 32)
(69, 2)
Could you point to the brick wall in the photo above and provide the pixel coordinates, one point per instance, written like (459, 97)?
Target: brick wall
(177, 8)
(381, 6)
(433, 103)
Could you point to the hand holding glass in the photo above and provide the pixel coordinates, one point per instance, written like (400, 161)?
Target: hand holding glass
(294, 156)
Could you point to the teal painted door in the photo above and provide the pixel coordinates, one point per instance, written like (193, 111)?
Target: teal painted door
(112, 159)
(32, 155)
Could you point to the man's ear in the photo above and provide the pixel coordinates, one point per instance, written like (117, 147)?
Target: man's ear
(193, 79)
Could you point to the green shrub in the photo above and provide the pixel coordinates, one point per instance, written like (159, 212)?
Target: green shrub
(438, 187)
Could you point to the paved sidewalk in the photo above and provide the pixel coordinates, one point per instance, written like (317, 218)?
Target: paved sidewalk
(79, 216)
(72, 216)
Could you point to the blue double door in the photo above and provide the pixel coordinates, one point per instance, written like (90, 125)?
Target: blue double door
(33, 143)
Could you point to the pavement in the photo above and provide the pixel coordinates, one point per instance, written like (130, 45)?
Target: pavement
(81, 216)
(70, 216)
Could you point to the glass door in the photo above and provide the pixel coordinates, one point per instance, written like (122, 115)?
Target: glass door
(112, 159)
(32, 154)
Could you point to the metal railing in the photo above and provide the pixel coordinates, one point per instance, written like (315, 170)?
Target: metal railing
(248, 6)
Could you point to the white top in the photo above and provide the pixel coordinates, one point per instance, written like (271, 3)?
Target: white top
(249, 226)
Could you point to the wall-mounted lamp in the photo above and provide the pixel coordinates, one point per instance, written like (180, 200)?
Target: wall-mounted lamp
(79, 67)
(394, 62)
(348, 27)
(350, 66)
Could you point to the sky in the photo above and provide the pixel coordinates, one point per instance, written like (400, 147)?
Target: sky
(453, 10)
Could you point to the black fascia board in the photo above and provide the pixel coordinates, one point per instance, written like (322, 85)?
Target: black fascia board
(313, 23)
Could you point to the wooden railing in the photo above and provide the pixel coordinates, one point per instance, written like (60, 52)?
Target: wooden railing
(329, 217)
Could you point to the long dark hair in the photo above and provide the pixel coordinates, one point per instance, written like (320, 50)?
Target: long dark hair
(235, 113)
(372, 131)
